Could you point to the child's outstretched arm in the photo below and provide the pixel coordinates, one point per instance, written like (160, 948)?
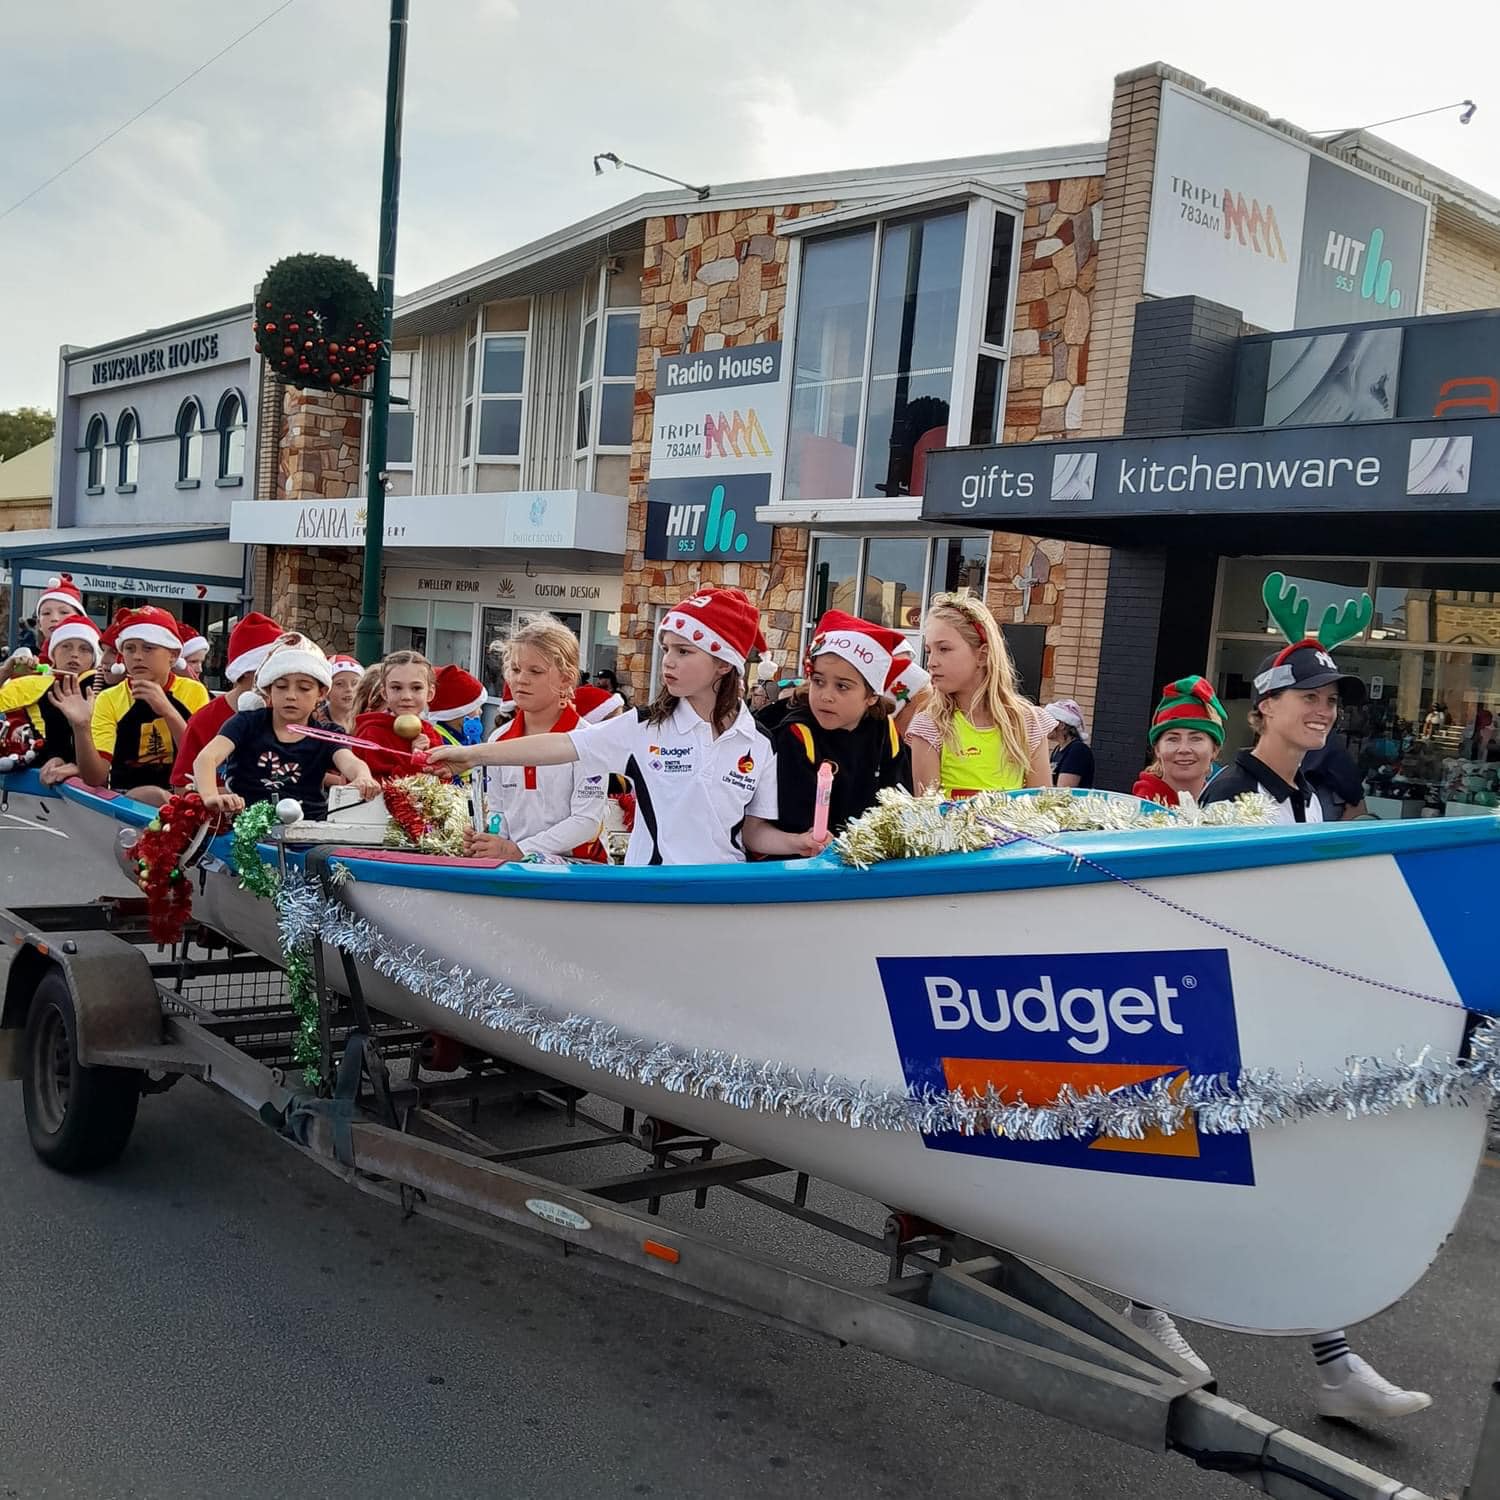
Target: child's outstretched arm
(206, 777)
(356, 773)
(766, 838)
(530, 750)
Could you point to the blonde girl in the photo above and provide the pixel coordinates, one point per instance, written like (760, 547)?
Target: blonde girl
(548, 809)
(977, 733)
(405, 681)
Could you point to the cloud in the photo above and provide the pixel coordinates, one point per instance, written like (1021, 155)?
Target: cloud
(276, 148)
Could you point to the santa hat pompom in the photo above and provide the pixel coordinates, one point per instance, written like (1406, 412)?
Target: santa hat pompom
(250, 700)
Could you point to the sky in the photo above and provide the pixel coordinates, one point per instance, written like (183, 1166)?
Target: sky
(276, 147)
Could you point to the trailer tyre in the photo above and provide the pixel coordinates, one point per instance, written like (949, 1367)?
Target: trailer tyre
(78, 1118)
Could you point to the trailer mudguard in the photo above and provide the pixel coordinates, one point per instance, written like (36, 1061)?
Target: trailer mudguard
(115, 999)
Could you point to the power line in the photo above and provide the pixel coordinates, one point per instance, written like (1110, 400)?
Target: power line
(105, 140)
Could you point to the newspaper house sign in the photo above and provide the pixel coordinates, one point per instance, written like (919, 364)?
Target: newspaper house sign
(717, 433)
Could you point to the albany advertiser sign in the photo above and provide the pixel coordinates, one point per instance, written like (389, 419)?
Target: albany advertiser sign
(1288, 235)
(1028, 1025)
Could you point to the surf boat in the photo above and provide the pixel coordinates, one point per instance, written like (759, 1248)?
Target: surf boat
(836, 1020)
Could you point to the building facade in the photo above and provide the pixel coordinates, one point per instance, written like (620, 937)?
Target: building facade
(156, 435)
(545, 458)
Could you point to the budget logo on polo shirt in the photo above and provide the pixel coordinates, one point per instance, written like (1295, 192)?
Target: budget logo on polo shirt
(669, 758)
(1029, 1024)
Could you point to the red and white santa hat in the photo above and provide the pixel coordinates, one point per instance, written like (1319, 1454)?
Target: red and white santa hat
(456, 696)
(593, 705)
(76, 628)
(721, 621)
(110, 636)
(64, 591)
(250, 643)
(293, 654)
(341, 661)
(881, 656)
(193, 641)
(151, 625)
(909, 679)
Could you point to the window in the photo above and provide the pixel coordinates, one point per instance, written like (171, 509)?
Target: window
(95, 442)
(606, 375)
(400, 429)
(495, 365)
(189, 442)
(891, 579)
(128, 437)
(888, 350)
(230, 422)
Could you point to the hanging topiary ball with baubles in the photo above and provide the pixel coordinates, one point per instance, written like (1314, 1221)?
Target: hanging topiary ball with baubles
(318, 321)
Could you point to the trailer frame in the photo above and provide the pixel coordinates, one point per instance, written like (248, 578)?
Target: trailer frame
(974, 1314)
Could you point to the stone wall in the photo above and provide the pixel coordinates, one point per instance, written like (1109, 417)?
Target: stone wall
(710, 280)
(317, 590)
(1048, 386)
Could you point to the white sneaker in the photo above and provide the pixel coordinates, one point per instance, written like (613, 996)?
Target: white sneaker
(1366, 1395)
(1153, 1321)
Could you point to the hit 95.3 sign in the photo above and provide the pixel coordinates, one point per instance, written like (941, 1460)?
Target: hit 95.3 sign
(716, 436)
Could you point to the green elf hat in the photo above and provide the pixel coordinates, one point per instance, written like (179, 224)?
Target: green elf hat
(1189, 703)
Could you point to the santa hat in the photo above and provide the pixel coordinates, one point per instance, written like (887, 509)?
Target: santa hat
(110, 636)
(593, 705)
(870, 649)
(457, 696)
(292, 654)
(250, 643)
(151, 625)
(193, 642)
(76, 628)
(64, 591)
(343, 662)
(908, 679)
(723, 622)
(1189, 703)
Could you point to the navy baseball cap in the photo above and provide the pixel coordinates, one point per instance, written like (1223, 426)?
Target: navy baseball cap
(1305, 665)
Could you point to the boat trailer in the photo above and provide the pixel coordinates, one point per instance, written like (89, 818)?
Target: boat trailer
(93, 1019)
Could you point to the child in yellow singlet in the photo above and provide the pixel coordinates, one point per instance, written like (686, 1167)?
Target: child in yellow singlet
(978, 734)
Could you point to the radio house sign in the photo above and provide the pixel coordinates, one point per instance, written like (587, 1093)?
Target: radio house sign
(159, 359)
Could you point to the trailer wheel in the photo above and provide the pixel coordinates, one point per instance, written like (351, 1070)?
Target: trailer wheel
(77, 1117)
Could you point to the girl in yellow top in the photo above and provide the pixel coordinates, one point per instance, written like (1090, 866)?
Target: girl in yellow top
(978, 734)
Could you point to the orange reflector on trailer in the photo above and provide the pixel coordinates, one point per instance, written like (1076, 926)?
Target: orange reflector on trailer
(42, 949)
(661, 1252)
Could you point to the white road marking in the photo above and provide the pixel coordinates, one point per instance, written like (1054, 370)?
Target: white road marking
(16, 821)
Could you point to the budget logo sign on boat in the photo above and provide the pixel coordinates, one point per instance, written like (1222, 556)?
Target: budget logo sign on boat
(1028, 1024)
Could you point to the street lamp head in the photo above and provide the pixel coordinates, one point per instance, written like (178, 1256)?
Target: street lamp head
(1469, 107)
(608, 156)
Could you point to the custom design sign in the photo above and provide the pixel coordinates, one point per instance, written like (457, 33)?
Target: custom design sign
(1291, 237)
(1030, 1024)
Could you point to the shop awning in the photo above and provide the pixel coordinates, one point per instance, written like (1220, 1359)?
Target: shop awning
(186, 562)
(1427, 488)
(569, 529)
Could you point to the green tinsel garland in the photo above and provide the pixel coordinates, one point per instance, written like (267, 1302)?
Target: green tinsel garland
(901, 826)
(257, 877)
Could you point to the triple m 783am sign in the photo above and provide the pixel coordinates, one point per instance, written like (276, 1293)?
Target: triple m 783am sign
(717, 430)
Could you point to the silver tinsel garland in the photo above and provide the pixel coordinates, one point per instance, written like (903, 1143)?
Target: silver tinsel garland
(1215, 1103)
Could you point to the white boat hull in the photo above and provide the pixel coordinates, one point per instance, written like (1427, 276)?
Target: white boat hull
(1289, 1229)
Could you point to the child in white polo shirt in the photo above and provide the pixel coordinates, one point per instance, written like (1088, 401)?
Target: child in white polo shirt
(704, 773)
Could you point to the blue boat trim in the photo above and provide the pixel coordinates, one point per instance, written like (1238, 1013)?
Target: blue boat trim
(1137, 855)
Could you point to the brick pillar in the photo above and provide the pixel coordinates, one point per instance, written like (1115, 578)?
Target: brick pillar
(317, 590)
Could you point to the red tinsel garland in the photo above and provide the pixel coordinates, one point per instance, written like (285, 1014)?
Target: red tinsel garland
(158, 856)
(405, 813)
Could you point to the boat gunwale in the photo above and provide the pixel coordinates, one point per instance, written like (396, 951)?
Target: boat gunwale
(1025, 865)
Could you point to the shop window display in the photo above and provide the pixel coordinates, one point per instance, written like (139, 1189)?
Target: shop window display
(1427, 742)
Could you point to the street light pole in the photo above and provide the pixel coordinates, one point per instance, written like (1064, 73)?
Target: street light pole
(368, 638)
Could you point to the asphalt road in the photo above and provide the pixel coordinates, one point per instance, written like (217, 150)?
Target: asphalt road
(219, 1317)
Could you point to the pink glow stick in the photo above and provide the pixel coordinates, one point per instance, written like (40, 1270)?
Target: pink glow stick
(335, 737)
(821, 801)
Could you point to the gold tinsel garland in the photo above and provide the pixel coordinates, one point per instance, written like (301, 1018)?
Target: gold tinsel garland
(901, 826)
(426, 814)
